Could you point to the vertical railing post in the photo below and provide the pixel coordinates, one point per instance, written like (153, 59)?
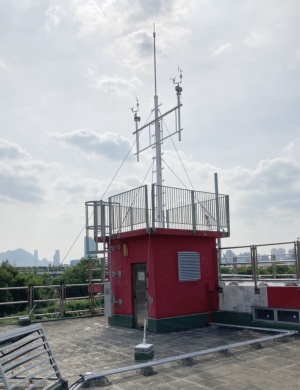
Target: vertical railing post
(62, 300)
(103, 222)
(131, 217)
(274, 266)
(146, 208)
(91, 298)
(30, 297)
(297, 258)
(167, 219)
(219, 251)
(87, 227)
(253, 251)
(227, 214)
(217, 202)
(95, 221)
(234, 259)
(153, 205)
(193, 211)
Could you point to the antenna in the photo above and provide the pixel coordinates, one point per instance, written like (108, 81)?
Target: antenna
(157, 144)
(154, 52)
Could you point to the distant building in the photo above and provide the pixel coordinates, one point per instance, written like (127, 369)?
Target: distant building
(74, 262)
(278, 253)
(89, 245)
(244, 257)
(228, 256)
(56, 258)
(36, 256)
(291, 253)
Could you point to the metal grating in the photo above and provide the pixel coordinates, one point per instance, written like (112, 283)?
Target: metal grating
(189, 266)
(26, 360)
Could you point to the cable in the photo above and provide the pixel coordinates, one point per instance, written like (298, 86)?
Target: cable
(79, 234)
(151, 165)
(174, 174)
(206, 212)
(118, 170)
(179, 156)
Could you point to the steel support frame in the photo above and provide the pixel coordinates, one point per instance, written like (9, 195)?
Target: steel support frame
(280, 334)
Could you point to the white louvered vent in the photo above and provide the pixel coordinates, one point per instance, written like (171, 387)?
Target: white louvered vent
(189, 266)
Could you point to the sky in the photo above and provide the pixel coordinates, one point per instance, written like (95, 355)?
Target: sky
(71, 70)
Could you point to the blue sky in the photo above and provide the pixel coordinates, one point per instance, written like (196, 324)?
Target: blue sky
(69, 72)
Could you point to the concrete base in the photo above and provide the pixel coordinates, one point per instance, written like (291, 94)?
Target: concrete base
(24, 321)
(143, 352)
(148, 371)
(97, 382)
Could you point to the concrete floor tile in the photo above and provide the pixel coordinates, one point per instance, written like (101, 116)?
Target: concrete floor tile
(89, 344)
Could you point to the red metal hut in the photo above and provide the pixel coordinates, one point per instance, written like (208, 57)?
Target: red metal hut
(159, 244)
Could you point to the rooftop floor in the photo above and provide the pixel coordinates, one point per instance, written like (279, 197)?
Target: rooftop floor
(91, 345)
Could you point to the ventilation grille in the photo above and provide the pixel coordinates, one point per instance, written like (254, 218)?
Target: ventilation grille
(189, 266)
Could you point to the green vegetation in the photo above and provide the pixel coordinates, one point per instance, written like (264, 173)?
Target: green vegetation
(271, 271)
(48, 290)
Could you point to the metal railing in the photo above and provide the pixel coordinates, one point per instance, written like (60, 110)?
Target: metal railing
(192, 210)
(41, 270)
(97, 226)
(252, 266)
(129, 210)
(53, 301)
(182, 209)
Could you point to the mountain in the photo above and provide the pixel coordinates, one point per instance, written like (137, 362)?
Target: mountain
(21, 258)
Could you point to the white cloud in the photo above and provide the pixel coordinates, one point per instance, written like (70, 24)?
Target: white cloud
(100, 17)
(292, 150)
(3, 65)
(111, 145)
(135, 48)
(116, 17)
(20, 186)
(53, 17)
(224, 48)
(10, 150)
(23, 177)
(295, 61)
(259, 38)
(115, 85)
(266, 192)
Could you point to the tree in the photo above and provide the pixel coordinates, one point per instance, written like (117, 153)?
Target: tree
(77, 275)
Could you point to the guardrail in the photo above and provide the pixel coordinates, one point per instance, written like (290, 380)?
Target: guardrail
(252, 266)
(181, 209)
(52, 301)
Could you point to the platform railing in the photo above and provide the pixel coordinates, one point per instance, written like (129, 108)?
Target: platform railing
(191, 210)
(181, 209)
(129, 211)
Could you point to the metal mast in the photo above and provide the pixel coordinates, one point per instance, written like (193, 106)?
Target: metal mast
(156, 138)
(157, 148)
